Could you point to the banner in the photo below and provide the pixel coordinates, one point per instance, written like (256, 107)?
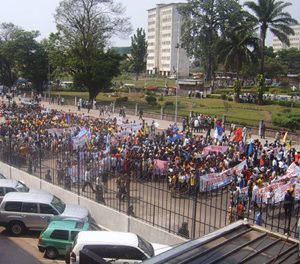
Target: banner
(160, 167)
(83, 137)
(213, 181)
(212, 148)
(130, 127)
(280, 186)
(60, 131)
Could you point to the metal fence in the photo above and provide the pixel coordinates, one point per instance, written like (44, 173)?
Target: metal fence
(132, 189)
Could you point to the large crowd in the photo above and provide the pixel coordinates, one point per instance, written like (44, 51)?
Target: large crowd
(137, 150)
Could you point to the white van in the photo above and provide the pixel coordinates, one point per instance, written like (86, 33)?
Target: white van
(20, 211)
(116, 247)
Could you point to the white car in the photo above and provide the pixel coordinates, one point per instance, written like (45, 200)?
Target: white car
(118, 247)
(8, 185)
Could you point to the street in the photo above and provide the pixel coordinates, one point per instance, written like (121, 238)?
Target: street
(22, 249)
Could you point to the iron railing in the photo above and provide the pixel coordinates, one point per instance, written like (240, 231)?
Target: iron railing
(134, 190)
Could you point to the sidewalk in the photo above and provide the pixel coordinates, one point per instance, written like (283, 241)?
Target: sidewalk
(163, 124)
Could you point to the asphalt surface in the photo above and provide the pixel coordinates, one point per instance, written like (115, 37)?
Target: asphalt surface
(22, 249)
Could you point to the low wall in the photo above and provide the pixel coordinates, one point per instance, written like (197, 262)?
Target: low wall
(104, 216)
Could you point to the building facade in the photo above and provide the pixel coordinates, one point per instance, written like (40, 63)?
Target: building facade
(294, 40)
(166, 57)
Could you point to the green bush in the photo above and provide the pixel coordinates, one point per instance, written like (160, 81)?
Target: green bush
(122, 90)
(161, 98)
(169, 104)
(151, 100)
(121, 100)
(213, 96)
(287, 120)
(223, 91)
(223, 96)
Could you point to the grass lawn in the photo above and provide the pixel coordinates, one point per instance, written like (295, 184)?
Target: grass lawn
(245, 114)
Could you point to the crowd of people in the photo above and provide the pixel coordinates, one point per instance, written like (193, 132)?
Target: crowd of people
(91, 147)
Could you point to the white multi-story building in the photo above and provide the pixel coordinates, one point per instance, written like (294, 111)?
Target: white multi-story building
(166, 57)
(294, 40)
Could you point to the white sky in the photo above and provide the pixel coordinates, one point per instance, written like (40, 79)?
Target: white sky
(38, 14)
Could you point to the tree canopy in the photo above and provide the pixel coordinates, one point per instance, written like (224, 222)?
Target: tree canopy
(84, 30)
(270, 14)
(138, 52)
(204, 24)
(21, 55)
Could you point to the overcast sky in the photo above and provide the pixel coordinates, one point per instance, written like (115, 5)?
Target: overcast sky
(38, 14)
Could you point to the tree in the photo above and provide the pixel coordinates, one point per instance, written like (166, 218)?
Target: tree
(204, 21)
(261, 87)
(138, 52)
(84, 30)
(30, 57)
(237, 87)
(8, 73)
(22, 56)
(270, 14)
(97, 75)
(238, 48)
(289, 58)
(274, 68)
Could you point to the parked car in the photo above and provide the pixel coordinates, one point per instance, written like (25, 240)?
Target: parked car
(116, 247)
(20, 211)
(59, 235)
(8, 185)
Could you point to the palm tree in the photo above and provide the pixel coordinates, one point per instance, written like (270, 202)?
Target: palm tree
(238, 48)
(269, 14)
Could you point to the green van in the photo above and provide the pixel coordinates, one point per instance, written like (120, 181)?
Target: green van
(59, 235)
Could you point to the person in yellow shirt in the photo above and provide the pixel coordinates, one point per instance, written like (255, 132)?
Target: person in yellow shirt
(260, 182)
(193, 183)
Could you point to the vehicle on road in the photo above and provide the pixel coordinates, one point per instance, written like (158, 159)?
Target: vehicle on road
(60, 234)
(8, 185)
(20, 211)
(116, 247)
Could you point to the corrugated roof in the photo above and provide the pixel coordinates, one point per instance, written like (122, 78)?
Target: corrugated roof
(236, 243)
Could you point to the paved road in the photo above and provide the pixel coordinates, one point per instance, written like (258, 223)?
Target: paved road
(22, 249)
(163, 124)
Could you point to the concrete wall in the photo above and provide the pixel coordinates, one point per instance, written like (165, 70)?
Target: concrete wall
(103, 215)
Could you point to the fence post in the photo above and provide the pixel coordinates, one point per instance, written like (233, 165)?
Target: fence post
(10, 153)
(78, 175)
(162, 113)
(194, 215)
(40, 161)
(136, 109)
(129, 206)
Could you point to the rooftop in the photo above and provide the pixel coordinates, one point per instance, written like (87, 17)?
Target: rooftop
(237, 243)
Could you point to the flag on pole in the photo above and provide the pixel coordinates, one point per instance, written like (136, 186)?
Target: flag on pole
(87, 141)
(238, 134)
(285, 137)
(250, 149)
(219, 133)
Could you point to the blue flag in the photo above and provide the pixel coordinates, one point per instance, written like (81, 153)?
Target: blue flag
(250, 149)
